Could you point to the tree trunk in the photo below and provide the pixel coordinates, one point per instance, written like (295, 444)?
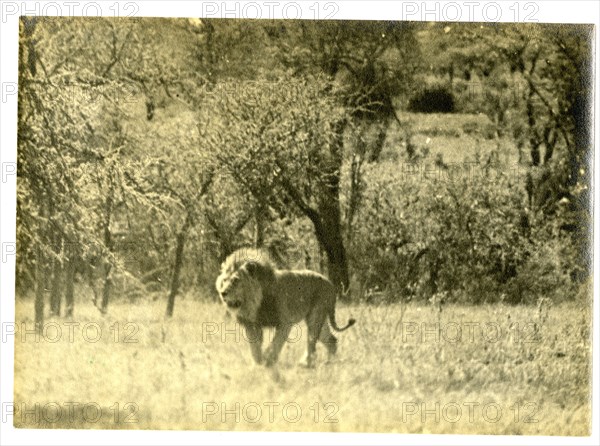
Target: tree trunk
(40, 288)
(259, 228)
(337, 266)
(356, 186)
(534, 141)
(580, 154)
(108, 244)
(382, 130)
(106, 289)
(358, 158)
(56, 292)
(69, 284)
(181, 238)
(329, 235)
(328, 226)
(434, 268)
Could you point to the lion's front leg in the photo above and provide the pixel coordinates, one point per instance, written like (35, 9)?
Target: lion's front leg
(272, 353)
(254, 335)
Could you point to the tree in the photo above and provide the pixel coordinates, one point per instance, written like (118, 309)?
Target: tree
(368, 65)
(187, 196)
(280, 142)
(52, 144)
(82, 80)
(373, 64)
(536, 81)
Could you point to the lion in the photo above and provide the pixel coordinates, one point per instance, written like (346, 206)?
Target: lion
(261, 295)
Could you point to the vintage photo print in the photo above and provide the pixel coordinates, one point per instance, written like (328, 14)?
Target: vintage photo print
(233, 222)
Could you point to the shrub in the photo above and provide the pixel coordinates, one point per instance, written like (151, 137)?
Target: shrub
(465, 233)
(435, 99)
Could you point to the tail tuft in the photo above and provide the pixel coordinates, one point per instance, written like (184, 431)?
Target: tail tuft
(350, 323)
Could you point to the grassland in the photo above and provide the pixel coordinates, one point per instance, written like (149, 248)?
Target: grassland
(456, 138)
(410, 369)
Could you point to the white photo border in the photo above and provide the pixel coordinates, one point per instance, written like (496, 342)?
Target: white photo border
(501, 11)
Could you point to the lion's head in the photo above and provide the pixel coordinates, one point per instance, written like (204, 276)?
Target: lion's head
(240, 284)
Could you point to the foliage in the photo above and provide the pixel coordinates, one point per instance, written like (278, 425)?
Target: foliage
(281, 142)
(435, 99)
(462, 230)
(373, 61)
(274, 138)
(173, 137)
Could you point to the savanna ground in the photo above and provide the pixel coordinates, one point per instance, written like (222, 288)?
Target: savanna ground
(493, 369)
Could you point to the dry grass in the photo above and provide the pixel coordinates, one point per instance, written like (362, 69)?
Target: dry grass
(456, 138)
(381, 381)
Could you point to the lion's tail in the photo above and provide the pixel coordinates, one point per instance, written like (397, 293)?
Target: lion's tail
(333, 323)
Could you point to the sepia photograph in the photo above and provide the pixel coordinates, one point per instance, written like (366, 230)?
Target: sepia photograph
(258, 224)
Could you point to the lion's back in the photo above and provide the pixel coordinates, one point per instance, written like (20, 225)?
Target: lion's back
(294, 293)
(303, 285)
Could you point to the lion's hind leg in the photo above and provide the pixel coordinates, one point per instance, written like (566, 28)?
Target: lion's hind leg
(328, 340)
(315, 323)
